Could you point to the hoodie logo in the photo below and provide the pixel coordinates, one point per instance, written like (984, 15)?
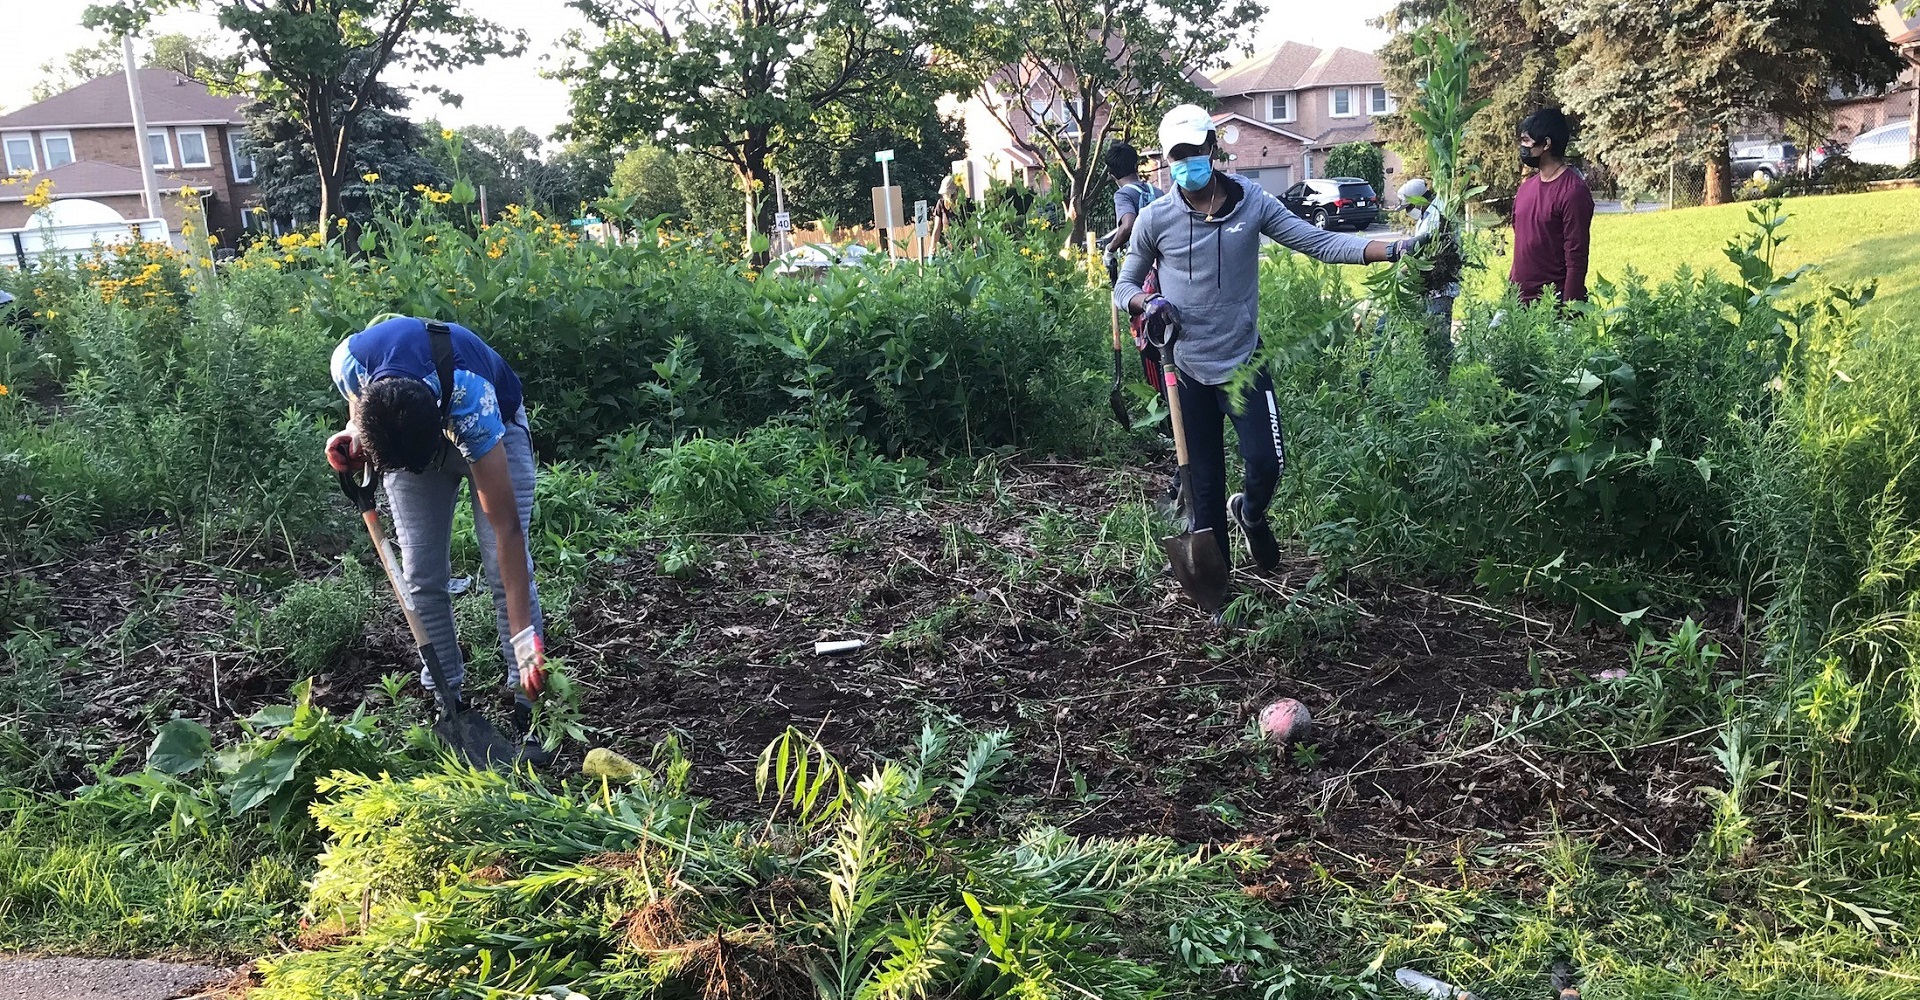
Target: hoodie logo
(1236, 227)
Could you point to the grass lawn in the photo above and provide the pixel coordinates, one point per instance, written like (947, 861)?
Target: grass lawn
(1852, 237)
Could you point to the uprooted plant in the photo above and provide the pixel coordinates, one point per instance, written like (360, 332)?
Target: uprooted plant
(890, 885)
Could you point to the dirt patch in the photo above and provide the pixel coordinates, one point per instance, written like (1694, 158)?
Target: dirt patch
(1130, 709)
(1019, 608)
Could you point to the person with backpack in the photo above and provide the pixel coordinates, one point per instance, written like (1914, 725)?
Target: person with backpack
(429, 405)
(1204, 240)
(1131, 194)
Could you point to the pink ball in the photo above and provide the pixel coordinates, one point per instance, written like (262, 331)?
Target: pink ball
(1285, 720)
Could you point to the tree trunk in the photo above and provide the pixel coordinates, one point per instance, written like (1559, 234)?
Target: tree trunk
(323, 163)
(1719, 186)
(756, 180)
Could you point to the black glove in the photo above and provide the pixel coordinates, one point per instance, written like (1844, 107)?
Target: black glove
(1161, 319)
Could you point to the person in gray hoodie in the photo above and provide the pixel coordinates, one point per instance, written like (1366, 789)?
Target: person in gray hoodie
(1205, 240)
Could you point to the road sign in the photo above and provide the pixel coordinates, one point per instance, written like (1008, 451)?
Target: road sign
(920, 212)
(883, 156)
(782, 222)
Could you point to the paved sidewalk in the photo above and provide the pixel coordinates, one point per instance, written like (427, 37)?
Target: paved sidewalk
(103, 979)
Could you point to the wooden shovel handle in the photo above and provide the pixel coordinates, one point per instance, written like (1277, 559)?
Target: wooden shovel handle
(1115, 313)
(1171, 378)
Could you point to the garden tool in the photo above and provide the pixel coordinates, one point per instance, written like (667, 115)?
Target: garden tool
(1117, 396)
(469, 733)
(1195, 555)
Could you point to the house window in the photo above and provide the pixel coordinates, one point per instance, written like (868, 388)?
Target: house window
(1279, 107)
(58, 147)
(19, 153)
(193, 147)
(158, 152)
(1340, 102)
(243, 166)
(1377, 102)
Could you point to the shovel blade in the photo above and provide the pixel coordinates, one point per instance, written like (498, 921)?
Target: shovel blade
(476, 741)
(1199, 567)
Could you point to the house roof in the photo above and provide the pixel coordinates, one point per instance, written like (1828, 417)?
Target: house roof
(1293, 66)
(81, 179)
(169, 99)
(1363, 132)
(1266, 126)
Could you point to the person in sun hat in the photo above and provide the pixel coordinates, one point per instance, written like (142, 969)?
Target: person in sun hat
(1204, 240)
(390, 376)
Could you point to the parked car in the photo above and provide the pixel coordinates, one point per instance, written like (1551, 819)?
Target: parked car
(1330, 202)
(1887, 145)
(1764, 160)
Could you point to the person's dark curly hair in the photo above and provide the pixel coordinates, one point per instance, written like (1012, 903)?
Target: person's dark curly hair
(1122, 160)
(400, 424)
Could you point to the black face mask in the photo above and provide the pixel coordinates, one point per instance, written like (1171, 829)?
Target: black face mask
(1528, 158)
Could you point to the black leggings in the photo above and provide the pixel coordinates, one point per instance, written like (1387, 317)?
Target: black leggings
(1262, 446)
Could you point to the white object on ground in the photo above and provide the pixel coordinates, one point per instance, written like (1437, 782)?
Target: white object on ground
(834, 647)
(1429, 986)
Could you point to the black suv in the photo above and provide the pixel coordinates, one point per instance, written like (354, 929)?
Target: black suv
(1329, 202)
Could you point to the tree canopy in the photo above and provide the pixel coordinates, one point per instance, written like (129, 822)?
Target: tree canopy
(1522, 42)
(1065, 76)
(386, 147)
(196, 56)
(1655, 81)
(744, 83)
(318, 63)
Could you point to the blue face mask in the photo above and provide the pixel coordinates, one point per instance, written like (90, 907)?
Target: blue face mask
(1193, 172)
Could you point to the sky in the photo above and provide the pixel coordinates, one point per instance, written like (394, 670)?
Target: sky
(511, 92)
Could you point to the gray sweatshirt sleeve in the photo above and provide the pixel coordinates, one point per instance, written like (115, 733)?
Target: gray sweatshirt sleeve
(1295, 233)
(1142, 254)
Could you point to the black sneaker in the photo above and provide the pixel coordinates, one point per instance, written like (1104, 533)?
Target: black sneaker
(531, 749)
(1260, 540)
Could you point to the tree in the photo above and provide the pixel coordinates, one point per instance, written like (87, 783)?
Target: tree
(1700, 70)
(189, 55)
(386, 146)
(686, 187)
(1522, 42)
(740, 83)
(833, 172)
(321, 61)
(1065, 76)
(1359, 159)
(88, 62)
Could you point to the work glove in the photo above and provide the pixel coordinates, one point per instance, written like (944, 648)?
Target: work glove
(530, 655)
(343, 452)
(1161, 317)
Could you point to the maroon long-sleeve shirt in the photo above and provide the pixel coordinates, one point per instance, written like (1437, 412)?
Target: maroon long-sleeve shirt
(1552, 228)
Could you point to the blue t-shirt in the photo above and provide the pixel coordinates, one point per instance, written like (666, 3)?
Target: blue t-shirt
(486, 392)
(1132, 199)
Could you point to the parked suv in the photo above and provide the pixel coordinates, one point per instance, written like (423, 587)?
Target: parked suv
(1764, 160)
(1329, 202)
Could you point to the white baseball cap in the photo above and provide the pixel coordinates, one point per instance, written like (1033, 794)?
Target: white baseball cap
(1416, 188)
(1186, 125)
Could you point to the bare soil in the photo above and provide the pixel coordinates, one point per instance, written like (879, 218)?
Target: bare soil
(1130, 710)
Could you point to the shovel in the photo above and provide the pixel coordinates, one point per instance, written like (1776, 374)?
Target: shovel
(469, 733)
(1117, 396)
(1197, 562)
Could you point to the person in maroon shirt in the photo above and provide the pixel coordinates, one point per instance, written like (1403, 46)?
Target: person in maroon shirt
(1552, 213)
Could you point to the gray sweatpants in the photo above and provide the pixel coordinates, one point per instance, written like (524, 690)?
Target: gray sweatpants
(422, 505)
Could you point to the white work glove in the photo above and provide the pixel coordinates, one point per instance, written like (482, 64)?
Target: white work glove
(530, 655)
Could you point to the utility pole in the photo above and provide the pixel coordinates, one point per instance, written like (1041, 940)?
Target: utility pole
(147, 177)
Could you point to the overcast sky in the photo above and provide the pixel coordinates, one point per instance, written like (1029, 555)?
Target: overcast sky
(510, 92)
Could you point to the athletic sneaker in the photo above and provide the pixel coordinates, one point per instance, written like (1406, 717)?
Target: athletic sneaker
(1260, 540)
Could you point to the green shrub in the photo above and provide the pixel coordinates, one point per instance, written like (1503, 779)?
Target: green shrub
(709, 484)
(1359, 159)
(315, 619)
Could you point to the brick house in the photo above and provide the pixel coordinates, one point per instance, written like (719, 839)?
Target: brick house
(1280, 112)
(83, 141)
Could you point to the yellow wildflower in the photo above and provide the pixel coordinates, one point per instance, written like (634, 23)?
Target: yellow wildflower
(41, 196)
(3, 389)
(369, 177)
(295, 309)
(446, 133)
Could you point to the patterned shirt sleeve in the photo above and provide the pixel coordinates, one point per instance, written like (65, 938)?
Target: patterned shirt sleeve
(348, 374)
(478, 424)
